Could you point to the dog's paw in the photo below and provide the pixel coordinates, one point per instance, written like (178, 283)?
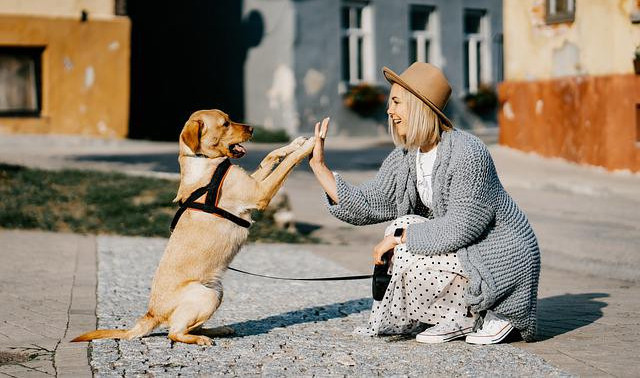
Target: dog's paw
(299, 141)
(308, 145)
(204, 340)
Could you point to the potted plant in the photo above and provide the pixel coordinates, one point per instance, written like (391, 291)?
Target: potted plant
(364, 99)
(636, 61)
(484, 102)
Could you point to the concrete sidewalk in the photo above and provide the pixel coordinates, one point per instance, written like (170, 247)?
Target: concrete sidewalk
(48, 296)
(587, 222)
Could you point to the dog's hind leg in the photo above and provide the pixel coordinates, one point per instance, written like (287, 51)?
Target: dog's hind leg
(196, 306)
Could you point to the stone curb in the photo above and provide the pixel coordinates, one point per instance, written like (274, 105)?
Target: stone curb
(72, 359)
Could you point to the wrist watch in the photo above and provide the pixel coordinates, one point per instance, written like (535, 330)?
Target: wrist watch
(397, 234)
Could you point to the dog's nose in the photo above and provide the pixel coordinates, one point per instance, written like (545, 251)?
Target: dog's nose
(251, 130)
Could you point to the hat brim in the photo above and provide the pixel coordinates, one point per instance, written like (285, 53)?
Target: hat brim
(394, 78)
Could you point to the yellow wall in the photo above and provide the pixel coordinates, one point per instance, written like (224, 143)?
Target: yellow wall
(85, 74)
(70, 8)
(600, 41)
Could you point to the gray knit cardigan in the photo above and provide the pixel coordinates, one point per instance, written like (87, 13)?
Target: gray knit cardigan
(471, 214)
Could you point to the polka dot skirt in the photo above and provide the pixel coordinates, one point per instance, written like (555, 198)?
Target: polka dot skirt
(423, 289)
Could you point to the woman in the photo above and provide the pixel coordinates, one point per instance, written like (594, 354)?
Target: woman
(465, 258)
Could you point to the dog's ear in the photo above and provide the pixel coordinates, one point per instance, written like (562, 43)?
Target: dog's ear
(191, 133)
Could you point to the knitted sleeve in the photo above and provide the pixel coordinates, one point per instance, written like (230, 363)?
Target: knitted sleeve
(469, 212)
(368, 203)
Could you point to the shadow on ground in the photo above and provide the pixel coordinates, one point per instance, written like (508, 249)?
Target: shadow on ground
(305, 315)
(564, 313)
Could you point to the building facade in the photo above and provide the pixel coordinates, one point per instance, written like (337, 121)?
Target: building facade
(315, 55)
(64, 67)
(570, 90)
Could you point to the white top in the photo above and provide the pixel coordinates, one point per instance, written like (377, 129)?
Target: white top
(424, 169)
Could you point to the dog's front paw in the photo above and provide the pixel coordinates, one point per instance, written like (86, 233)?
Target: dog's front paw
(299, 141)
(307, 147)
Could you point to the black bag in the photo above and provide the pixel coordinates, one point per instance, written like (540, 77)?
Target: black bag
(381, 278)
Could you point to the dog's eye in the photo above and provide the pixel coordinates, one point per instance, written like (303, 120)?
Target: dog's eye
(226, 124)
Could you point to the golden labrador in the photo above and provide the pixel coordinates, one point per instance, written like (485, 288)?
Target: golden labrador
(187, 288)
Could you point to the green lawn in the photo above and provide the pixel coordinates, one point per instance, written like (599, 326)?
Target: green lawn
(102, 203)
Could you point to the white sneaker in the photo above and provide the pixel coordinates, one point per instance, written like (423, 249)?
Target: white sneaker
(494, 329)
(443, 332)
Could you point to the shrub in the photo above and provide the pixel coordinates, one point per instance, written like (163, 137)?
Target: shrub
(364, 99)
(263, 135)
(484, 102)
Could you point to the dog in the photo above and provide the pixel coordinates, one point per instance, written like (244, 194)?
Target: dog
(187, 285)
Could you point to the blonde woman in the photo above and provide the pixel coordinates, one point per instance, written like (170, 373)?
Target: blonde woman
(465, 259)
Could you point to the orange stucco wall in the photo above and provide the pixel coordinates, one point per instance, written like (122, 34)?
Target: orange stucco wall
(585, 119)
(85, 74)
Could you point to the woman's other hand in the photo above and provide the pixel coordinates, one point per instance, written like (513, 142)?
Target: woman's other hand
(317, 156)
(387, 244)
(318, 166)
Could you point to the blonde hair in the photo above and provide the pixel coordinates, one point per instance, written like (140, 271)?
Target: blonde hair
(424, 126)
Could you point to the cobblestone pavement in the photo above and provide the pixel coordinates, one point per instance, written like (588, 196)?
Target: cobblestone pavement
(282, 328)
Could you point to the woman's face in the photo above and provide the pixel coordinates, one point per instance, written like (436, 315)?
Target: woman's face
(398, 111)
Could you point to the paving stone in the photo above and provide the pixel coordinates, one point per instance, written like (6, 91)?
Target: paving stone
(281, 328)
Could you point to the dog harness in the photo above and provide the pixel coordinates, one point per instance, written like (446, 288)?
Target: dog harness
(210, 205)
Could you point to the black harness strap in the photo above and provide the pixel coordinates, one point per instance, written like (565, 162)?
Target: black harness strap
(210, 205)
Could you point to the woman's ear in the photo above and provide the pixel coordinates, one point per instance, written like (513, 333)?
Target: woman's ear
(191, 133)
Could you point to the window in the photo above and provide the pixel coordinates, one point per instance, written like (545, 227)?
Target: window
(560, 11)
(20, 81)
(357, 43)
(477, 51)
(424, 45)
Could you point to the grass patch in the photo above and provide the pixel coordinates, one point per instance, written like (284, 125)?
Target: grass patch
(103, 203)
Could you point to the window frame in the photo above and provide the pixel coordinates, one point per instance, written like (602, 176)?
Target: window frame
(365, 72)
(552, 16)
(482, 75)
(431, 33)
(36, 53)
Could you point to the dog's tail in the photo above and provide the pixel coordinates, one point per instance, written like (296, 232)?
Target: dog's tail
(143, 326)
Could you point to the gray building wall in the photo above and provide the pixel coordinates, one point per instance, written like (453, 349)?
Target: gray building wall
(293, 76)
(270, 80)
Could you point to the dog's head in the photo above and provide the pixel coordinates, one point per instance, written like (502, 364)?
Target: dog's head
(212, 133)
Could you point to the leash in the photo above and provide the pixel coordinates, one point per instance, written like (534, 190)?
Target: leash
(343, 278)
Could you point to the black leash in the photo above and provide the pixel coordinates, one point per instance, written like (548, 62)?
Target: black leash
(344, 278)
(210, 205)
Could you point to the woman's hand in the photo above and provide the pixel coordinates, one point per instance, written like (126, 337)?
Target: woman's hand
(317, 164)
(317, 156)
(387, 244)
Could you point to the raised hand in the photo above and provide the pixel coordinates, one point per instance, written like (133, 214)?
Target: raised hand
(317, 156)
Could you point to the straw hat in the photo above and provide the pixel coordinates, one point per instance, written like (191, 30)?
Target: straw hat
(427, 83)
